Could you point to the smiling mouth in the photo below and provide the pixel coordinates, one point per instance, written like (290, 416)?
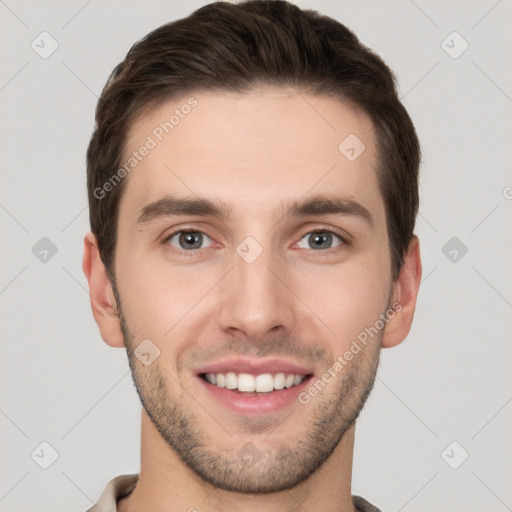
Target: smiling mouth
(260, 384)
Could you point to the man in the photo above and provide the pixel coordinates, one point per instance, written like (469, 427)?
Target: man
(253, 188)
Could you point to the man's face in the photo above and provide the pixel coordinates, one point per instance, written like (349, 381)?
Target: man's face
(265, 291)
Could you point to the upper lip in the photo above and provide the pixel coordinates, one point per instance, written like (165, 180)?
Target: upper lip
(254, 367)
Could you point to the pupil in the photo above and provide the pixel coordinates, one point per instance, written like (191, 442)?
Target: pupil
(192, 240)
(322, 238)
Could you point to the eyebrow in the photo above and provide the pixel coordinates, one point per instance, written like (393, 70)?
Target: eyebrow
(323, 204)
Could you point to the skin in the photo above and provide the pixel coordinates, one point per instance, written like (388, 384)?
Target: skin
(295, 301)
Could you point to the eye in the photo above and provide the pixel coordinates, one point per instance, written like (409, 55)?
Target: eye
(321, 239)
(190, 240)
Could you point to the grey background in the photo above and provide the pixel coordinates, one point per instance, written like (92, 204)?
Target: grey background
(449, 381)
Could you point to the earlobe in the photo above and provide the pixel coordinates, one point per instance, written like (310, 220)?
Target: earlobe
(405, 294)
(103, 302)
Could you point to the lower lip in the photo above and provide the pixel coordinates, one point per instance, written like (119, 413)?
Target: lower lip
(255, 404)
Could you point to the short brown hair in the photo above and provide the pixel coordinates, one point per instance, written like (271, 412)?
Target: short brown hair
(237, 47)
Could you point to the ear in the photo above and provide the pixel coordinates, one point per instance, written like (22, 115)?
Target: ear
(103, 302)
(404, 295)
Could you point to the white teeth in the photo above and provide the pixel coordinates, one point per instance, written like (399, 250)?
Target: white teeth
(264, 383)
(221, 380)
(231, 381)
(279, 379)
(247, 383)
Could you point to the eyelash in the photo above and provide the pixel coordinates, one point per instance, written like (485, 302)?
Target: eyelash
(331, 231)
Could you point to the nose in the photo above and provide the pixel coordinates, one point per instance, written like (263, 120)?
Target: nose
(256, 300)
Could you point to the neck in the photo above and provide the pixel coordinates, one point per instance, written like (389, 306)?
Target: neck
(166, 485)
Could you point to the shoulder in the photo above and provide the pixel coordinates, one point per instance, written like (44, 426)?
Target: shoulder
(117, 488)
(364, 506)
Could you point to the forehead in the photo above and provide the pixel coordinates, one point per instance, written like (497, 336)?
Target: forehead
(252, 150)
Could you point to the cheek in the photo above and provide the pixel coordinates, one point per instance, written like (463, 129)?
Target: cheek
(348, 298)
(157, 295)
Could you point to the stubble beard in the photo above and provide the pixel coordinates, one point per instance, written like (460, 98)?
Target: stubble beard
(334, 411)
